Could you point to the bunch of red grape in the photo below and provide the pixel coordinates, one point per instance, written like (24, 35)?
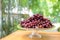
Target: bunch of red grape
(36, 21)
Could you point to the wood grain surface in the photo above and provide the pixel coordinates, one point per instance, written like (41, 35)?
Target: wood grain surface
(23, 35)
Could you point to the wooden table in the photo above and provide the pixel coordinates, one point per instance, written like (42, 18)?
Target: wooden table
(22, 35)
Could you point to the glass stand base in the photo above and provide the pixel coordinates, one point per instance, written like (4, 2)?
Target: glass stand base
(35, 35)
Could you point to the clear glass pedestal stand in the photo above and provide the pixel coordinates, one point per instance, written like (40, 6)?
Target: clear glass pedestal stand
(34, 33)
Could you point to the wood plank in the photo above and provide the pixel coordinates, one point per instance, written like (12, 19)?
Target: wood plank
(22, 35)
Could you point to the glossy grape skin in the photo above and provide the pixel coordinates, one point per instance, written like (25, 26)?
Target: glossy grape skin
(36, 21)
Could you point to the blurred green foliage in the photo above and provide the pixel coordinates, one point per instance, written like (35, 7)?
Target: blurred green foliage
(48, 8)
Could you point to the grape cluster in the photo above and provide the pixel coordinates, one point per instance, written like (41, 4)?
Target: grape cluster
(36, 21)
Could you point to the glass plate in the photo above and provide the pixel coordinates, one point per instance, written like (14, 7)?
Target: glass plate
(35, 31)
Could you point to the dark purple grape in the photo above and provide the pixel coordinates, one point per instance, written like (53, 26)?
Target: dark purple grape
(36, 21)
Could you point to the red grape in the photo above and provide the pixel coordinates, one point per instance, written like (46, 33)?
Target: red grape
(36, 21)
